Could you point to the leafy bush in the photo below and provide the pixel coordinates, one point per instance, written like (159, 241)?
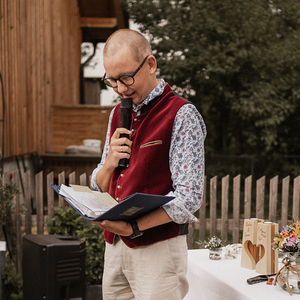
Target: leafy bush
(67, 221)
(13, 284)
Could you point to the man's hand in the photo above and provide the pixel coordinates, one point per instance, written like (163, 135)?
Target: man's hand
(119, 148)
(153, 219)
(118, 227)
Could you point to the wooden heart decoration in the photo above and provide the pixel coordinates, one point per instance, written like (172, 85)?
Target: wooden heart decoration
(255, 252)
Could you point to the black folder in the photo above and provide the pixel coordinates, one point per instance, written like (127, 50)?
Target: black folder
(131, 208)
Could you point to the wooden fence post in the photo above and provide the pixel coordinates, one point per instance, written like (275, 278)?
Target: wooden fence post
(27, 202)
(224, 209)
(50, 195)
(39, 196)
(213, 206)
(260, 197)
(285, 200)
(82, 179)
(61, 180)
(236, 209)
(296, 198)
(273, 199)
(247, 197)
(72, 178)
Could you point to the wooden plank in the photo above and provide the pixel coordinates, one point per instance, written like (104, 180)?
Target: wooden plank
(260, 197)
(82, 179)
(26, 60)
(296, 192)
(72, 178)
(41, 77)
(202, 217)
(50, 195)
(247, 197)
(39, 202)
(213, 205)
(61, 180)
(48, 80)
(27, 201)
(273, 197)
(22, 83)
(98, 22)
(285, 200)
(224, 208)
(12, 110)
(72, 124)
(236, 208)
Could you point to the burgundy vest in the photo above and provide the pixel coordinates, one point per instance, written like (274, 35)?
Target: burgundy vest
(148, 170)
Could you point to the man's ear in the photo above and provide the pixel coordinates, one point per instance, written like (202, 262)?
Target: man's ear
(152, 64)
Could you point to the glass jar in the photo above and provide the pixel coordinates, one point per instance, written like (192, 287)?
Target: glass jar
(215, 253)
(294, 280)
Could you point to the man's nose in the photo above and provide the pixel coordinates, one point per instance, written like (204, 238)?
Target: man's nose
(121, 87)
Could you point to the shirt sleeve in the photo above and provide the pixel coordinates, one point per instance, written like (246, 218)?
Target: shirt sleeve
(186, 164)
(94, 184)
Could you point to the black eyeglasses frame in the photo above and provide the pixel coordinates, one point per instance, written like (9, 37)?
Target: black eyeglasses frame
(119, 78)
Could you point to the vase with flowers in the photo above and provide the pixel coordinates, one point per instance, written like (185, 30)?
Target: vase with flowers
(287, 242)
(215, 245)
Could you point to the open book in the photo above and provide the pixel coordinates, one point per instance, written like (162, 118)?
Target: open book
(97, 206)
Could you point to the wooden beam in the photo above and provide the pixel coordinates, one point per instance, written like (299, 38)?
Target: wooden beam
(98, 22)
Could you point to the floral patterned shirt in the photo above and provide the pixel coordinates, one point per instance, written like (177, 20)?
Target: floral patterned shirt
(186, 159)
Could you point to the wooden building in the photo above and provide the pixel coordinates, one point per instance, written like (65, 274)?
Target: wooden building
(40, 64)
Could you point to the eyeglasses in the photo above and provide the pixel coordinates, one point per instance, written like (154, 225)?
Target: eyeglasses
(124, 79)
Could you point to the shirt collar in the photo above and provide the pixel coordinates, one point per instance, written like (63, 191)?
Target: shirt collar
(157, 91)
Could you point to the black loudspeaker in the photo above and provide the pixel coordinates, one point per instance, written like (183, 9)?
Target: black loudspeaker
(53, 267)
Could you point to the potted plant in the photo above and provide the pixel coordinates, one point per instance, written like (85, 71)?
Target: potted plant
(214, 244)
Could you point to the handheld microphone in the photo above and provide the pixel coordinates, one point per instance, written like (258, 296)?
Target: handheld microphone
(125, 122)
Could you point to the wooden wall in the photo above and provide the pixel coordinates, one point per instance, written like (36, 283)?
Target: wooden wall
(72, 124)
(40, 65)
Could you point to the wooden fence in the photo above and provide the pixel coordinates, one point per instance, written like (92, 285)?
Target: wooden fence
(222, 212)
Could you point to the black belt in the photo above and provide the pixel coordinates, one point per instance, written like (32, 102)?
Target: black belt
(183, 229)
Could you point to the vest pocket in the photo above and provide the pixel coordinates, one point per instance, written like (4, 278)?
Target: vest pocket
(152, 143)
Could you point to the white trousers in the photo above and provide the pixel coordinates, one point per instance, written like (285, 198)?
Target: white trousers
(154, 272)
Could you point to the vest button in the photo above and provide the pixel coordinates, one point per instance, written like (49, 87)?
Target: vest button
(117, 198)
(118, 186)
(132, 130)
(135, 119)
(122, 175)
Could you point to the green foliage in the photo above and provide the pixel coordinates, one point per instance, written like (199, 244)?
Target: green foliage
(67, 221)
(7, 193)
(237, 61)
(95, 245)
(13, 284)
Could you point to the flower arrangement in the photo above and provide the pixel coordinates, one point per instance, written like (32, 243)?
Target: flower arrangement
(213, 243)
(288, 240)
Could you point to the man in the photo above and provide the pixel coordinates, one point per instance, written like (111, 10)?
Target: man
(148, 258)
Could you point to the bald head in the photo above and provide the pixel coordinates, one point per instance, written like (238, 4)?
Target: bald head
(127, 38)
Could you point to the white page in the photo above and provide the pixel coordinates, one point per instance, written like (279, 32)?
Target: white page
(105, 198)
(84, 201)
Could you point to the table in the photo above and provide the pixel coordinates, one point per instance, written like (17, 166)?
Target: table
(226, 279)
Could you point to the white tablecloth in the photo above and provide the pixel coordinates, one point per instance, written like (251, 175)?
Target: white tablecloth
(226, 279)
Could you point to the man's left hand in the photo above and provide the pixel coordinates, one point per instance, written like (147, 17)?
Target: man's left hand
(118, 227)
